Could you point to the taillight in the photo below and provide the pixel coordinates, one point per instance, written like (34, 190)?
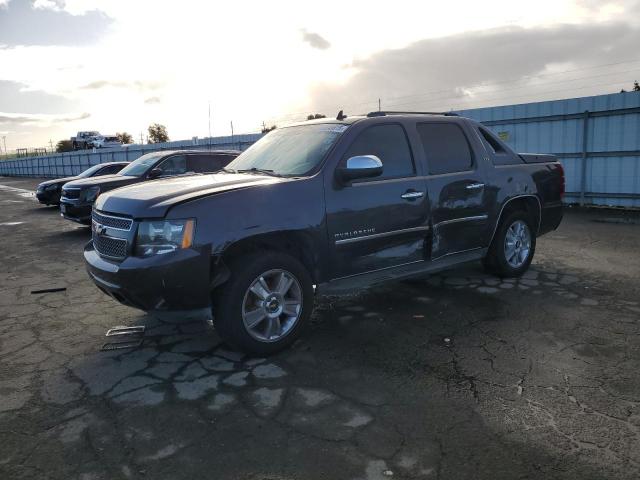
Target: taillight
(562, 181)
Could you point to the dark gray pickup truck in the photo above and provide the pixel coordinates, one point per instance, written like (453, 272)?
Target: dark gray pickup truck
(323, 206)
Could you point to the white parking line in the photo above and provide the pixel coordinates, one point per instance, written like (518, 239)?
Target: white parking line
(20, 191)
(10, 224)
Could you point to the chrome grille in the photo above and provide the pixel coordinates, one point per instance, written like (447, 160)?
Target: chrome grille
(109, 246)
(71, 193)
(112, 222)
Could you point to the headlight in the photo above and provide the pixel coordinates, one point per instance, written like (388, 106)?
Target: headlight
(91, 193)
(164, 236)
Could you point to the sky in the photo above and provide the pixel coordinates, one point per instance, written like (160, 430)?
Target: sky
(120, 65)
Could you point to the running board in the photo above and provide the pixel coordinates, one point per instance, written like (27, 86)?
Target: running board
(416, 269)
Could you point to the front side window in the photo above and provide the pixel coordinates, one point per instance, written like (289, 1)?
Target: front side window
(389, 144)
(176, 165)
(139, 167)
(290, 151)
(445, 147)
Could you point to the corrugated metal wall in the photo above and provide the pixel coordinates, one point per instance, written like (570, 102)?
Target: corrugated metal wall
(72, 163)
(596, 138)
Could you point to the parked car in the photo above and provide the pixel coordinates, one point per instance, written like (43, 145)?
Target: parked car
(102, 141)
(78, 196)
(320, 207)
(49, 192)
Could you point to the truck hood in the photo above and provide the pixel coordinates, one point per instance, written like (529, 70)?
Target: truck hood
(154, 199)
(105, 182)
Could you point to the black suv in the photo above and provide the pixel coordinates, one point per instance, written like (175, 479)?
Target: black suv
(49, 192)
(78, 196)
(323, 206)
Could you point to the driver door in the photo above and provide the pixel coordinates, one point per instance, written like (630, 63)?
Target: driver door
(379, 222)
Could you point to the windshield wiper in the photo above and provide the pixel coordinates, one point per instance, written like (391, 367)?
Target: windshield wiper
(260, 170)
(228, 170)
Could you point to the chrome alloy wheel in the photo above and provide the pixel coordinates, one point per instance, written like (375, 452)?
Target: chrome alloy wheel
(517, 244)
(272, 305)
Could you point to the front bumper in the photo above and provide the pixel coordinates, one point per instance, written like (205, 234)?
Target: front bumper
(76, 212)
(48, 197)
(172, 281)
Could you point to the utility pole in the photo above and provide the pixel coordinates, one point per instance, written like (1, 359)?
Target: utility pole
(141, 141)
(4, 140)
(379, 107)
(231, 132)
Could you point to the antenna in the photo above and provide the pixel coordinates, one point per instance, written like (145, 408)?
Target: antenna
(341, 116)
(209, 124)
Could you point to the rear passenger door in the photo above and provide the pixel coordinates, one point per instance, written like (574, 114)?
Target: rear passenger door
(379, 222)
(458, 195)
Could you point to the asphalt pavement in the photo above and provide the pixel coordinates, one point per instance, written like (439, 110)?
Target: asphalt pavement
(458, 376)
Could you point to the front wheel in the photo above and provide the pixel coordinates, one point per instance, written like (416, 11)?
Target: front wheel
(265, 304)
(513, 246)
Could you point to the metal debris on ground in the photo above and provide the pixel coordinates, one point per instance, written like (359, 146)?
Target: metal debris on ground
(447, 341)
(48, 290)
(387, 473)
(418, 316)
(122, 330)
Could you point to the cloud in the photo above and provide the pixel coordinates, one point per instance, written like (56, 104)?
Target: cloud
(17, 97)
(152, 100)
(137, 85)
(45, 22)
(442, 72)
(39, 119)
(315, 40)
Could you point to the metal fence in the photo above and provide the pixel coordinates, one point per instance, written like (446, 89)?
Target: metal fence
(597, 139)
(73, 163)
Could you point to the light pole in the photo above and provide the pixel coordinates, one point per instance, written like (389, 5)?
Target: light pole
(4, 140)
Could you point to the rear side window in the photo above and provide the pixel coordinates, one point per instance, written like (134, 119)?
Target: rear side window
(445, 147)
(389, 144)
(207, 163)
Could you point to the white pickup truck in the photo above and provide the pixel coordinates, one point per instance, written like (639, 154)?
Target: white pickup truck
(93, 139)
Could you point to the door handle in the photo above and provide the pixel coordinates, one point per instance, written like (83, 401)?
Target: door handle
(474, 186)
(410, 195)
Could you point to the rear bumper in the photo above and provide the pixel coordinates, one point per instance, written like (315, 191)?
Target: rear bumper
(76, 213)
(551, 217)
(173, 281)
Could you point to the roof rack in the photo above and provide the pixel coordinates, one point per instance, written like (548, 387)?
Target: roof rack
(383, 113)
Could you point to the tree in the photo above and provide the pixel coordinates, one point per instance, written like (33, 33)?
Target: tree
(158, 133)
(315, 116)
(124, 137)
(64, 146)
(266, 129)
(636, 86)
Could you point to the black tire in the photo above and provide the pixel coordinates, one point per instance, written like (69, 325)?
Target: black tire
(228, 301)
(496, 262)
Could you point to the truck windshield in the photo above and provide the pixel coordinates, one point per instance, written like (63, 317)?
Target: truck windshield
(139, 167)
(289, 151)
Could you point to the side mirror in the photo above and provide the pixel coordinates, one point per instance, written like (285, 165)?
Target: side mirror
(154, 173)
(361, 166)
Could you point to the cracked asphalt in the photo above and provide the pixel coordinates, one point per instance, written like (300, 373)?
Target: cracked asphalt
(457, 376)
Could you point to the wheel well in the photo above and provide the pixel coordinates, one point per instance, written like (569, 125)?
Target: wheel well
(529, 204)
(295, 244)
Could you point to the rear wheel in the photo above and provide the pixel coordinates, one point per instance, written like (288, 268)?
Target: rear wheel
(513, 246)
(265, 304)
